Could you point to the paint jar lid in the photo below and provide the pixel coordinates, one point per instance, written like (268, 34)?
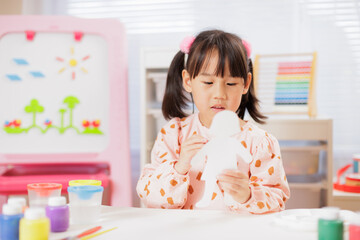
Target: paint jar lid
(17, 200)
(330, 213)
(356, 219)
(85, 192)
(11, 209)
(44, 186)
(34, 213)
(57, 201)
(83, 182)
(356, 157)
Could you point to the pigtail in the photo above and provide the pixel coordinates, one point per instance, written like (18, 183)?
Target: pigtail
(250, 102)
(174, 100)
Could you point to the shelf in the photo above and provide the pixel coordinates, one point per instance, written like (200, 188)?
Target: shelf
(318, 148)
(309, 186)
(345, 195)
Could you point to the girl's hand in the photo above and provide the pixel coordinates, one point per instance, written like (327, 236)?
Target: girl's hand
(188, 150)
(236, 184)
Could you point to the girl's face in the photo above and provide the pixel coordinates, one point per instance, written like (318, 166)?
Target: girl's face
(212, 93)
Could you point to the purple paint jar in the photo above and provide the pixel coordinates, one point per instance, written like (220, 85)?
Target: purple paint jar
(58, 213)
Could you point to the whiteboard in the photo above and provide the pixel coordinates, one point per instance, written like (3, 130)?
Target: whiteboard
(48, 69)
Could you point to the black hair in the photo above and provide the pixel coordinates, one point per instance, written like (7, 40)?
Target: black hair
(230, 49)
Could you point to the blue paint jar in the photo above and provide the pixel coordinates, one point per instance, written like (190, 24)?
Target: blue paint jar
(9, 221)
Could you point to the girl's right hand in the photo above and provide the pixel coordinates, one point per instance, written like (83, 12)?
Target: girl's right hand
(188, 150)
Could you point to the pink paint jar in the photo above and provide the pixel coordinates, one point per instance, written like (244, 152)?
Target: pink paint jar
(354, 228)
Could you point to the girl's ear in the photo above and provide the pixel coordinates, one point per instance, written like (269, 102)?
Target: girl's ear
(248, 82)
(186, 81)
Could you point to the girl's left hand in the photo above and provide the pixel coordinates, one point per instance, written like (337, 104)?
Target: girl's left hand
(236, 184)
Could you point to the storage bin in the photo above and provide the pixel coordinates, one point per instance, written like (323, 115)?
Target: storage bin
(304, 198)
(300, 162)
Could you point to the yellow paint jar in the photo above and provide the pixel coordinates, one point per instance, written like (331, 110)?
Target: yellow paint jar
(35, 225)
(85, 182)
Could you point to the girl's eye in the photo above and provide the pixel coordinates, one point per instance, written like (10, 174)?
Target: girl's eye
(208, 83)
(231, 84)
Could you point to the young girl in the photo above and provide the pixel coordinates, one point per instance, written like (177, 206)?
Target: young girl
(216, 70)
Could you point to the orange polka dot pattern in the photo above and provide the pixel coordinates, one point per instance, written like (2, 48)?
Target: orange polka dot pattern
(161, 186)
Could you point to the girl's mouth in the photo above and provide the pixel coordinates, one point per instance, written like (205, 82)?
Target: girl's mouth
(217, 108)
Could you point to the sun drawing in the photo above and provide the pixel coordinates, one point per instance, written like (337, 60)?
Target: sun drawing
(73, 63)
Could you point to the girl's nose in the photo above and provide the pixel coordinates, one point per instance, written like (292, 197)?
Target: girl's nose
(220, 92)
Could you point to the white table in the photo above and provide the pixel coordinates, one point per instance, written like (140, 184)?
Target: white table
(144, 223)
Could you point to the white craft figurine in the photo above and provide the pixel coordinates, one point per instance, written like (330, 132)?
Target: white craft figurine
(222, 152)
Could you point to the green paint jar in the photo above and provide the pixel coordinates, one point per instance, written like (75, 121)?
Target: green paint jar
(330, 227)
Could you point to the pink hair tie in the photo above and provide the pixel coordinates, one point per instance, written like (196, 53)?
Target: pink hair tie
(186, 44)
(247, 47)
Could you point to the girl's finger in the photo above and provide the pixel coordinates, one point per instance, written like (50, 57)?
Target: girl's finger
(194, 141)
(192, 147)
(230, 187)
(232, 180)
(235, 173)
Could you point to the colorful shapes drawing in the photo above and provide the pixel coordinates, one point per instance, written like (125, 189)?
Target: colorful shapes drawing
(73, 63)
(37, 74)
(20, 61)
(85, 123)
(14, 127)
(47, 122)
(96, 123)
(13, 77)
(7, 124)
(84, 70)
(23, 62)
(17, 123)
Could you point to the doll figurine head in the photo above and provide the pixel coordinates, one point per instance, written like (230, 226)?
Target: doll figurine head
(225, 124)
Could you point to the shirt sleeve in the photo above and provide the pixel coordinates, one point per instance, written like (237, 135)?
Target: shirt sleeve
(268, 184)
(160, 185)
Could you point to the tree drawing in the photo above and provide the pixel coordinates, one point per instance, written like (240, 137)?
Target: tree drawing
(34, 108)
(71, 101)
(62, 112)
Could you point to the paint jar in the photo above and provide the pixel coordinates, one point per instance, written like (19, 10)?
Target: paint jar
(330, 227)
(356, 161)
(354, 228)
(39, 193)
(58, 213)
(19, 201)
(35, 225)
(85, 203)
(85, 182)
(9, 221)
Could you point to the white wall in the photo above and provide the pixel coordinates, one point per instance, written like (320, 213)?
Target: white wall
(276, 26)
